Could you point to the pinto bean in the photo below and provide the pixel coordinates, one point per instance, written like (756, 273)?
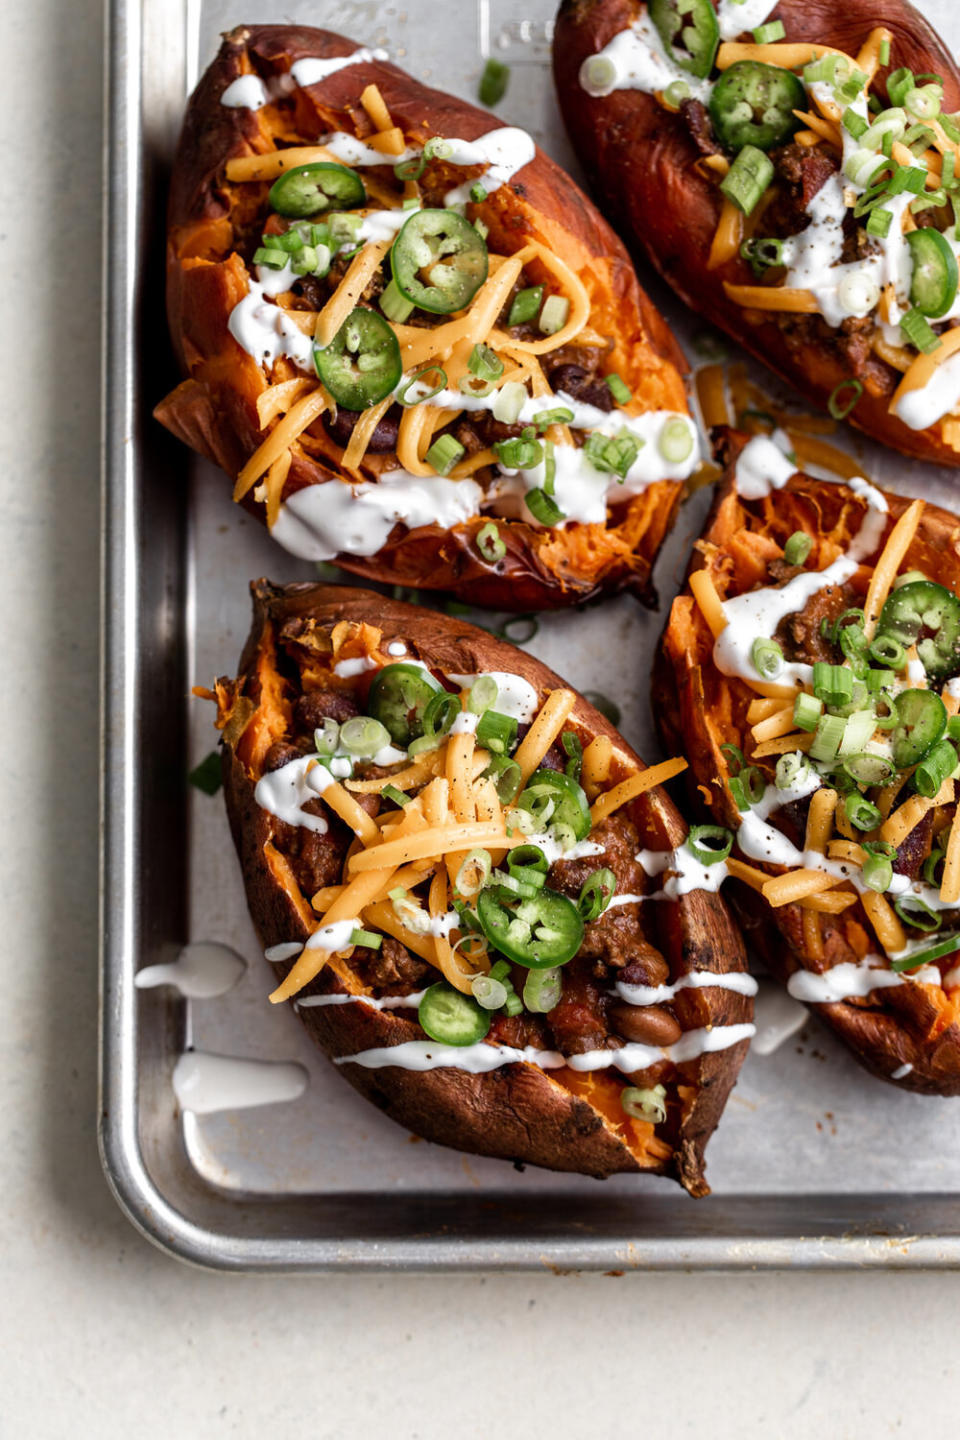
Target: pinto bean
(646, 1024)
(384, 438)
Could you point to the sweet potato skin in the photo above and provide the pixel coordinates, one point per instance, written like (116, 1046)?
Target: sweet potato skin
(642, 164)
(214, 409)
(695, 709)
(519, 1112)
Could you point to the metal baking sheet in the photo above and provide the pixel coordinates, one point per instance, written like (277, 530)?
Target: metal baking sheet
(814, 1164)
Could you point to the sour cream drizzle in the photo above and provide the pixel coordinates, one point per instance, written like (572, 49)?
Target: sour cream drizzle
(247, 92)
(734, 18)
(740, 983)
(516, 697)
(481, 1058)
(636, 60)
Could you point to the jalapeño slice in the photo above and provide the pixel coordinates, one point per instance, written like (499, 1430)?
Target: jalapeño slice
(361, 365)
(933, 285)
(556, 799)
(309, 189)
(399, 697)
(753, 104)
(927, 615)
(538, 932)
(439, 261)
(451, 1018)
(689, 31)
(921, 722)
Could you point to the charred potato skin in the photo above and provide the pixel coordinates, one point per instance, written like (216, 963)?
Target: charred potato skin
(642, 164)
(214, 409)
(895, 1031)
(518, 1112)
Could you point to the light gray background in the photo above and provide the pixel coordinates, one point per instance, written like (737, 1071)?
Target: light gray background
(99, 1333)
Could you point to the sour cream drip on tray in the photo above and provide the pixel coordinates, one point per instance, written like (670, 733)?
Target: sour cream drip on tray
(636, 60)
(207, 1083)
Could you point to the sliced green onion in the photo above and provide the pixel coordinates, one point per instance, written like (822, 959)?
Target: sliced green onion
(489, 993)
(619, 390)
(790, 768)
(390, 792)
(878, 680)
(496, 732)
(483, 694)
(574, 751)
(675, 442)
(542, 990)
(710, 844)
(368, 938)
(274, 259)
(827, 740)
(934, 769)
(877, 873)
(833, 684)
(861, 812)
(953, 727)
(748, 178)
(422, 376)
(363, 735)
(844, 397)
(514, 1005)
(769, 33)
(509, 402)
(951, 127)
(924, 101)
(543, 509)
(854, 123)
(485, 363)
(675, 94)
(916, 912)
(493, 82)
(474, 872)
(797, 548)
(478, 193)
(444, 454)
(471, 385)
(596, 893)
(523, 861)
(645, 1103)
(395, 306)
(884, 56)
(526, 306)
(208, 775)
(612, 454)
(857, 731)
(767, 658)
(736, 757)
(888, 652)
(506, 776)
(920, 333)
(560, 415)
(899, 83)
(554, 315)
(879, 222)
(747, 788)
(441, 711)
(410, 169)
(327, 737)
(930, 865)
(490, 543)
(807, 710)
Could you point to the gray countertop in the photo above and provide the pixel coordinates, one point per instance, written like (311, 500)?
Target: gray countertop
(100, 1332)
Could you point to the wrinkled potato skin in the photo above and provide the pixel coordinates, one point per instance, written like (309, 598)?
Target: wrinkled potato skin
(519, 1112)
(894, 1028)
(642, 162)
(214, 409)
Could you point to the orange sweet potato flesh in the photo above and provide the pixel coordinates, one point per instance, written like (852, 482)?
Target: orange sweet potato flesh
(643, 167)
(556, 1118)
(698, 709)
(214, 409)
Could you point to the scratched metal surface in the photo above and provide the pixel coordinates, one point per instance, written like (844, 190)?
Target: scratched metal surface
(814, 1163)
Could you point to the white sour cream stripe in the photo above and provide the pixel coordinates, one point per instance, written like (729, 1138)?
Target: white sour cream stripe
(322, 521)
(734, 18)
(636, 60)
(312, 70)
(516, 697)
(247, 92)
(387, 1002)
(737, 981)
(479, 1059)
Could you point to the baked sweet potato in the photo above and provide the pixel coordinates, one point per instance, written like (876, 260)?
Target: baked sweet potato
(511, 472)
(531, 1003)
(768, 199)
(806, 672)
